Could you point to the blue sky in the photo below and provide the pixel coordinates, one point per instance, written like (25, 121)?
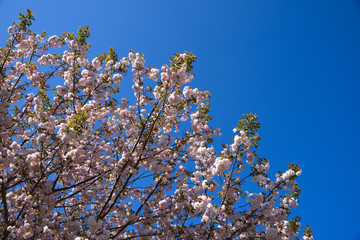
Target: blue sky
(293, 62)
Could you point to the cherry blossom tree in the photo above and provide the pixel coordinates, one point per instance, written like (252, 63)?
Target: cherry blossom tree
(78, 161)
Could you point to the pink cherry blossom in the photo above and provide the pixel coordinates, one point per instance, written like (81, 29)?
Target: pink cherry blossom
(80, 161)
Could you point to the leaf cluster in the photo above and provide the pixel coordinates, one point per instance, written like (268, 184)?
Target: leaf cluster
(177, 61)
(25, 20)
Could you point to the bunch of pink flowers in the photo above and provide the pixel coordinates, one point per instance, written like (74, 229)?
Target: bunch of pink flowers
(80, 162)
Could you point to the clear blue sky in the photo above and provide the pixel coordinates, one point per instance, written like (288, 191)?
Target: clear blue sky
(293, 62)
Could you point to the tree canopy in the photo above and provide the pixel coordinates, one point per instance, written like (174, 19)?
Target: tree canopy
(80, 161)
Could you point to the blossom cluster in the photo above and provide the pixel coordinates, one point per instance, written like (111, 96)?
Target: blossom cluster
(80, 161)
